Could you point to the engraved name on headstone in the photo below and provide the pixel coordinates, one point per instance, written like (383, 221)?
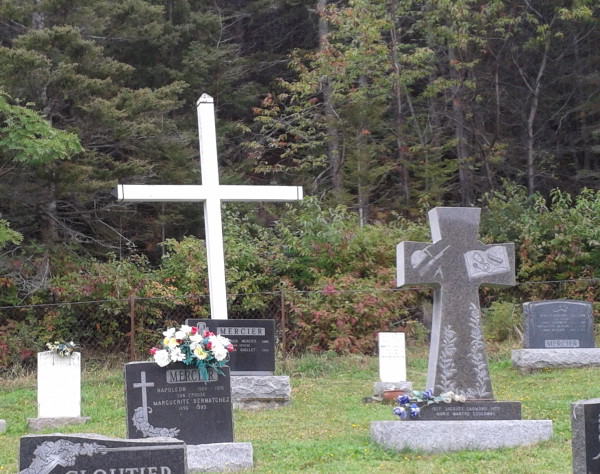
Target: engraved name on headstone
(471, 410)
(392, 356)
(559, 324)
(585, 427)
(456, 264)
(174, 402)
(253, 340)
(83, 453)
(58, 385)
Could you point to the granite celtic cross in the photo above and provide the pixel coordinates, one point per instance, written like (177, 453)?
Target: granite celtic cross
(456, 264)
(212, 194)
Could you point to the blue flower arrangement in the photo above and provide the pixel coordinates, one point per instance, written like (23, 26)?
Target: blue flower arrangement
(410, 406)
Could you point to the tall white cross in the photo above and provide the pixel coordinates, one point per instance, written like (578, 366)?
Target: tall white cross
(212, 194)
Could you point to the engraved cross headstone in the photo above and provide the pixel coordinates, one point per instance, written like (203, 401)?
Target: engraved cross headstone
(456, 264)
(143, 384)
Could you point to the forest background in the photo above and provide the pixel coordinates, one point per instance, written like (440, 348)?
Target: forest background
(381, 109)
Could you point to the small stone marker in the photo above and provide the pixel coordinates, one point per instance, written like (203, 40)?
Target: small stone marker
(253, 339)
(456, 264)
(2, 426)
(174, 402)
(95, 454)
(585, 427)
(392, 356)
(471, 410)
(559, 324)
(58, 385)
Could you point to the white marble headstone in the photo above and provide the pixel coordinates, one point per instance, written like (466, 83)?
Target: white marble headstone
(392, 356)
(58, 385)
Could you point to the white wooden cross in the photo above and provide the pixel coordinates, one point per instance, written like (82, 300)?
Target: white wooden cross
(212, 194)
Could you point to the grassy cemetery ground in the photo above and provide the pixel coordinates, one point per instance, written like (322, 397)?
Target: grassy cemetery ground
(327, 428)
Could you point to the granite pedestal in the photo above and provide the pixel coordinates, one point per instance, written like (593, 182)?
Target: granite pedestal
(38, 424)
(380, 387)
(527, 360)
(249, 392)
(443, 436)
(219, 457)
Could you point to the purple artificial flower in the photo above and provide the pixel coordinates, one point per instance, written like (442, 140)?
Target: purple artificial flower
(428, 394)
(400, 412)
(414, 410)
(402, 399)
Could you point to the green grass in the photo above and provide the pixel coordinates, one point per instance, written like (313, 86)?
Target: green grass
(326, 430)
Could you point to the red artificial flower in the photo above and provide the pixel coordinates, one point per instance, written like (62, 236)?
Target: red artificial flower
(208, 345)
(152, 351)
(194, 330)
(205, 334)
(230, 348)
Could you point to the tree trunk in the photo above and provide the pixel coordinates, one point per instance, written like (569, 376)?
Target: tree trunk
(169, 11)
(458, 117)
(333, 144)
(399, 120)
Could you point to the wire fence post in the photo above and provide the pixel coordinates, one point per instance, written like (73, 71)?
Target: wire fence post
(283, 322)
(132, 356)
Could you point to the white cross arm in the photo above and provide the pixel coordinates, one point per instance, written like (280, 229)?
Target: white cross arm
(199, 193)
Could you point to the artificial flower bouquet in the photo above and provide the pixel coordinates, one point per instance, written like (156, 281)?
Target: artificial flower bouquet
(190, 347)
(62, 349)
(411, 405)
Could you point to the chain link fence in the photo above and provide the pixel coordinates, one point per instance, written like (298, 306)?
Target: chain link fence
(111, 332)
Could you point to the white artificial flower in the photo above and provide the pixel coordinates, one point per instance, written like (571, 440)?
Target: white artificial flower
(177, 355)
(460, 398)
(447, 397)
(161, 358)
(196, 338)
(179, 335)
(172, 343)
(169, 333)
(186, 329)
(193, 345)
(220, 352)
(223, 341)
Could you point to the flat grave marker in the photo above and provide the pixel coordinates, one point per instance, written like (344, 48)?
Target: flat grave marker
(83, 453)
(558, 324)
(174, 402)
(253, 340)
(392, 356)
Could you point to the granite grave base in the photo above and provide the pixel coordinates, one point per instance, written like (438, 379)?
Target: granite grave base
(219, 457)
(249, 392)
(527, 360)
(380, 387)
(443, 436)
(38, 424)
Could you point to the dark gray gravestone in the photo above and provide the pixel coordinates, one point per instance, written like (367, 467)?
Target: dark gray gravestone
(253, 339)
(174, 402)
(471, 410)
(585, 427)
(560, 324)
(456, 264)
(95, 454)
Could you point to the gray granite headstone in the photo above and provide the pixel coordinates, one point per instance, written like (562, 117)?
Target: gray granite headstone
(585, 427)
(174, 402)
(559, 324)
(456, 264)
(253, 340)
(91, 453)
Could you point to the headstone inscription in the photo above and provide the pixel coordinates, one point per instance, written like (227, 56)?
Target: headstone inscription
(174, 402)
(58, 385)
(585, 427)
(392, 356)
(559, 324)
(253, 340)
(95, 454)
(471, 410)
(456, 264)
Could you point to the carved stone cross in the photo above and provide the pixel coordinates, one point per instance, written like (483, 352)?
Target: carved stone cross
(456, 264)
(143, 384)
